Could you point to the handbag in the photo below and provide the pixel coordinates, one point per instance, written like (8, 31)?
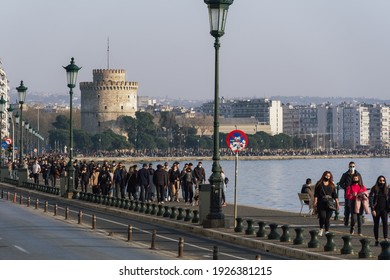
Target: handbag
(329, 202)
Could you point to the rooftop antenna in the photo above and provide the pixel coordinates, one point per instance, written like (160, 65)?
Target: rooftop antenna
(108, 52)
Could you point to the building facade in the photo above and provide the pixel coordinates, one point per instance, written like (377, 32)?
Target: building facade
(4, 91)
(265, 112)
(106, 99)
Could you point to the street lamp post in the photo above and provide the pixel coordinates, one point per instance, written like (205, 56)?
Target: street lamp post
(71, 72)
(27, 126)
(22, 90)
(218, 10)
(10, 110)
(3, 103)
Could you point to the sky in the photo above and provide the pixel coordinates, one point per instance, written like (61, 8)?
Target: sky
(338, 48)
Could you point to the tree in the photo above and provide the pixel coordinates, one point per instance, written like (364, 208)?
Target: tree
(61, 122)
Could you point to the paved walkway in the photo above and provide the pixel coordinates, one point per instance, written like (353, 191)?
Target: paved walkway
(293, 221)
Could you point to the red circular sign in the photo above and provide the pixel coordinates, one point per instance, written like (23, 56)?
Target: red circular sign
(8, 141)
(237, 140)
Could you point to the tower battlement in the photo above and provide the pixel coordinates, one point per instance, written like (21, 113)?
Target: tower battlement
(108, 97)
(106, 75)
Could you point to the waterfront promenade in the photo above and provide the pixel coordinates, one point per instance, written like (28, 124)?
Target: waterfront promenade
(285, 247)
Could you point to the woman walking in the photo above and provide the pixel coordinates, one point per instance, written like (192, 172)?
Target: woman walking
(379, 198)
(356, 190)
(325, 189)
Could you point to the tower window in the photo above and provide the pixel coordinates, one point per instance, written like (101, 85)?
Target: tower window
(121, 107)
(105, 107)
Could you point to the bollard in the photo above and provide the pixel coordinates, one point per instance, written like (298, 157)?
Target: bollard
(126, 204)
(286, 234)
(313, 243)
(195, 218)
(188, 216)
(94, 221)
(55, 209)
(261, 232)
(273, 233)
(153, 245)
(131, 206)
(160, 211)
(117, 202)
(147, 208)
(385, 253)
(129, 233)
(180, 216)
(365, 252)
(347, 246)
(46, 206)
(250, 229)
(14, 201)
(258, 257)
(2, 194)
(21, 199)
(167, 212)
(215, 253)
(136, 207)
(8, 195)
(154, 210)
(298, 240)
(142, 209)
(239, 227)
(330, 244)
(36, 203)
(66, 213)
(181, 247)
(80, 217)
(28, 201)
(173, 213)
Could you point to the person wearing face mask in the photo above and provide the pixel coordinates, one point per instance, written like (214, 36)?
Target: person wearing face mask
(379, 200)
(354, 190)
(344, 182)
(324, 188)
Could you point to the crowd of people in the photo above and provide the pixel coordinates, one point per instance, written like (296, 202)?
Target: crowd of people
(146, 184)
(358, 199)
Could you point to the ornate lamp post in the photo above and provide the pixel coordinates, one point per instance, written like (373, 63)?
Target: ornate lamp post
(218, 10)
(27, 127)
(11, 150)
(71, 72)
(22, 90)
(3, 103)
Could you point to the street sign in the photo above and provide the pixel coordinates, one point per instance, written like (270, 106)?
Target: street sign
(237, 140)
(4, 145)
(8, 141)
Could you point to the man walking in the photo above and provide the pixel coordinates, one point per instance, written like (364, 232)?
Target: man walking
(160, 179)
(143, 181)
(344, 183)
(36, 170)
(200, 174)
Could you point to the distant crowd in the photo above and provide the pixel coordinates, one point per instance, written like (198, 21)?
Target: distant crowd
(247, 152)
(146, 183)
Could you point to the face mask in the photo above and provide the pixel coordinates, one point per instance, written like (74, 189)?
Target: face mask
(352, 169)
(356, 181)
(326, 179)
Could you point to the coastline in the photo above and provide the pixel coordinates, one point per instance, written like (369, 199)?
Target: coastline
(148, 159)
